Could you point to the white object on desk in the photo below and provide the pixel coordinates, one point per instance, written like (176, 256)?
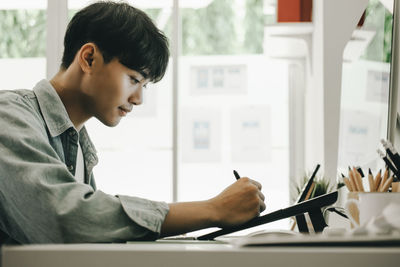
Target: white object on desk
(334, 239)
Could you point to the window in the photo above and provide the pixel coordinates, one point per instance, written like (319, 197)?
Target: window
(23, 45)
(365, 89)
(233, 103)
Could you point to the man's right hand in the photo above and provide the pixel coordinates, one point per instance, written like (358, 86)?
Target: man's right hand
(238, 203)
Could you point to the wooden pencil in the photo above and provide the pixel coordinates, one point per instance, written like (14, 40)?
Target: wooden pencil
(306, 198)
(387, 184)
(371, 181)
(347, 183)
(395, 187)
(358, 180)
(384, 179)
(352, 181)
(378, 179)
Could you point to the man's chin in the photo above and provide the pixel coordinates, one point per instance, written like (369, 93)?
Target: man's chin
(110, 123)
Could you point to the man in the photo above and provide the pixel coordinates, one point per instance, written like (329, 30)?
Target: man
(47, 189)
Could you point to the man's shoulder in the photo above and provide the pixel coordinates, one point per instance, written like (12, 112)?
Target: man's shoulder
(16, 96)
(19, 103)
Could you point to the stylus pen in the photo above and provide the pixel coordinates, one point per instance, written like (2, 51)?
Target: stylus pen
(237, 176)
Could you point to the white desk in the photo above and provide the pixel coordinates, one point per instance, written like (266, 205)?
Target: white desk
(202, 254)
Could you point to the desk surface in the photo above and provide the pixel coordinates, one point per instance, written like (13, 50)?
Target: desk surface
(194, 253)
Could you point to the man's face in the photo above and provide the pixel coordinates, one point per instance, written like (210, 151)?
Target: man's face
(112, 90)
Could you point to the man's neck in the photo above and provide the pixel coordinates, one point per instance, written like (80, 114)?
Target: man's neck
(67, 86)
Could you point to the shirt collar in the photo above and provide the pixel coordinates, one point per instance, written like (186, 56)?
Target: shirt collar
(52, 108)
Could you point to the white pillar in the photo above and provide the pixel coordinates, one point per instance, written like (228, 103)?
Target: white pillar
(57, 20)
(334, 21)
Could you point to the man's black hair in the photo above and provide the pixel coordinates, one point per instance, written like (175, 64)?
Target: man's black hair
(120, 31)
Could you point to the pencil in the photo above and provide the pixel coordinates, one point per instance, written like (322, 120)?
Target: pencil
(371, 181)
(378, 179)
(387, 148)
(395, 187)
(352, 181)
(306, 198)
(384, 179)
(237, 176)
(347, 183)
(394, 156)
(310, 191)
(358, 180)
(387, 184)
(388, 162)
(359, 170)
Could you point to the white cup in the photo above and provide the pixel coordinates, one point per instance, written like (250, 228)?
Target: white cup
(363, 206)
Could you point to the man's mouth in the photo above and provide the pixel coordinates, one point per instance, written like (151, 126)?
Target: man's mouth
(124, 111)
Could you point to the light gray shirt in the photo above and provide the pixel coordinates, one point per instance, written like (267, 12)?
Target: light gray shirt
(40, 200)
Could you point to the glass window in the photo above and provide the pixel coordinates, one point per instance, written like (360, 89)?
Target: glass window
(233, 103)
(365, 89)
(23, 43)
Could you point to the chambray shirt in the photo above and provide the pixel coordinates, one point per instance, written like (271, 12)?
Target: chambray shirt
(40, 200)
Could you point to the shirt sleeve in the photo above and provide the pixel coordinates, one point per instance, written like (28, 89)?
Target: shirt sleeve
(40, 201)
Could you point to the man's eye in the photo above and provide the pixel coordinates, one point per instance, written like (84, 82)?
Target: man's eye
(134, 80)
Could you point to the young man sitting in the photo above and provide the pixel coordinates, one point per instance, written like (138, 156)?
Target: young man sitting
(47, 189)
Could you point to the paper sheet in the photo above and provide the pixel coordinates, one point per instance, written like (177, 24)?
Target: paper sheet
(206, 80)
(359, 137)
(251, 134)
(200, 135)
(377, 86)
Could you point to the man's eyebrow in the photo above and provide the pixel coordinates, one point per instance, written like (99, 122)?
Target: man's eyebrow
(144, 74)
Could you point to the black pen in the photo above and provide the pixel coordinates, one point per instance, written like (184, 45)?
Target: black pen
(395, 157)
(237, 176)
(388, 163)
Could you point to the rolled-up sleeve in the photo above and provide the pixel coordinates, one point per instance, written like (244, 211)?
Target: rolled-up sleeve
(148, 214)
(40, 201)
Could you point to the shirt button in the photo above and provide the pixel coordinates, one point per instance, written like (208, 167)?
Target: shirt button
(70, 167)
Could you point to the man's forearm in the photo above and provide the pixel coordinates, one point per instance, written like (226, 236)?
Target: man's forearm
(188, 216)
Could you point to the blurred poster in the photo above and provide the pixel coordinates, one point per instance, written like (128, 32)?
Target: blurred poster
(200, 135)
(377, 86)
(206, 80)
(359, 138)
(251, 134)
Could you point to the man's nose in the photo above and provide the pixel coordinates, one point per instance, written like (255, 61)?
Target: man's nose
(137, 97)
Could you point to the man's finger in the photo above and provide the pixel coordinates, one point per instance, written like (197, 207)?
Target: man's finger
(261, 195)
(262, 206)
(259, 186)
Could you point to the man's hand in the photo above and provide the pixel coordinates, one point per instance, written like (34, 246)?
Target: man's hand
(238, 203)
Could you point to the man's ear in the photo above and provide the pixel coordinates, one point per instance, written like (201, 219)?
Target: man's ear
(88, 56)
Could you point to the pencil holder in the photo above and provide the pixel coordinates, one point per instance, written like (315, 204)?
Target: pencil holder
(361, 207)
(352, 209)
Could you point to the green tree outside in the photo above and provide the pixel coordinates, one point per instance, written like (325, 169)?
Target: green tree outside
(379, 19)
(22, 33)
(212, 30)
